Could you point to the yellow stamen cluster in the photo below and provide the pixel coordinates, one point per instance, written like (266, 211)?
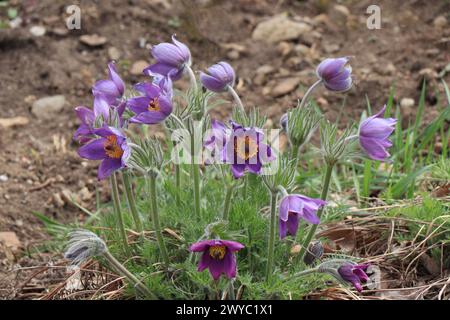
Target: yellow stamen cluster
(112, 149)
(153, 105)
(245, 147)
(217, 252)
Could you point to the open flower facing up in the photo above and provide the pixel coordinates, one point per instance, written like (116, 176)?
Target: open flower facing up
(354, 273)
(218, 256)
(335, 75)
(374, 135)
(111, 147)
(171, 59)
(218, 77)
(111, 89)
(245, 150)
(154, 106)
(294, 207)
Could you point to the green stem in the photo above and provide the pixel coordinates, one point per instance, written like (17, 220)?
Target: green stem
(196, 179)
(324, 195)
(226, 204)
(192, 78)
(272, 233)
(116, 203)
(155, 218)
(294, 154)
(302, 273)
(131, 201)
(236, 99)
(131, 277)
(311, 89)
(177, 184)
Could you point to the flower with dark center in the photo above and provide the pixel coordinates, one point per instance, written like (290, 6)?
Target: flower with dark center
(354, 273)
(374, 135)
(218, 256)
(111, 147)
(335, 75)
(244, 150)
(153, 106)
(219, 77)
(171, 59)
(111, 89)
(294, 207)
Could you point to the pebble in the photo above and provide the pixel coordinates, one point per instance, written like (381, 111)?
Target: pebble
(265, 69)
(45, 108)
(93, 40)
(11, 240)
(407, 103)
(3, 178)
(233, 55)
(138, 67)
(13, 122)
(440, 22)
(114, 53)
(38, 31)
(428, 73)
(285, 86)
(279, 28)
(339, 14)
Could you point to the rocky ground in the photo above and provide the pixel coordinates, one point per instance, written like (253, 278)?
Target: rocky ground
(47, 70)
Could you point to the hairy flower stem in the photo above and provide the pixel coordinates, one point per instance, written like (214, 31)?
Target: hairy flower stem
(118, 212)
(302, 273)
(138, 285)
(272, 233)
(192, 78)
(226, 204)
(151, 179)
(196, 179)
(236, 99)
(307, 94)
(323, 196)
(131, 201)
(177, 184)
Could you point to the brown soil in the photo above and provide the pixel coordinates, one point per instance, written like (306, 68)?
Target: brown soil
(39, 158)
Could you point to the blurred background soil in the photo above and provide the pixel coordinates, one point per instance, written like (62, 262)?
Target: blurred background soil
(274, 45)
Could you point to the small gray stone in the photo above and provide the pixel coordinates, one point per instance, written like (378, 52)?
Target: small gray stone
(114, 53)
(45, 108)
(279, 28)
(286, 86)
(38, 31)
(93, 40)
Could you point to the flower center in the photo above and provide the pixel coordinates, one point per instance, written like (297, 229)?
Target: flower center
(111, 147)
(217, 252)
(153, 105)
(245, 147)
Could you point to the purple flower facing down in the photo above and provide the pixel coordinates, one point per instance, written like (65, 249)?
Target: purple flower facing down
(154, 106)
(219, 77)
(111, 89)
(374, 135)
(284, 122)
(87, 118)
(215, 141)
(218, 256)
(111, 147)
(335, 75)
(244, 150)
(294, 207)
(354, 273)
(171, 59)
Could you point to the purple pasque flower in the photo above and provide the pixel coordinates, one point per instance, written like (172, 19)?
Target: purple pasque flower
(153, 106)
(374, 135)
(219, 77)
(335, 74)
(354, 273)
(216, 139)
(111, 147)
(171, 59)
(244, 150)
(218, 256)
(88, 117)
(294, 207)
(284, 122)
(111, 89)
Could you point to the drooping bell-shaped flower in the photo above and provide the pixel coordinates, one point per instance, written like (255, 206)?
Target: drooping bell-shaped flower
(218, 256)
(171, 59)
(111, 89)
(374, 135)
(219, 77)
(335, 74)
(294, 207)
(111, 147)
(354, 273)
(245, 150)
